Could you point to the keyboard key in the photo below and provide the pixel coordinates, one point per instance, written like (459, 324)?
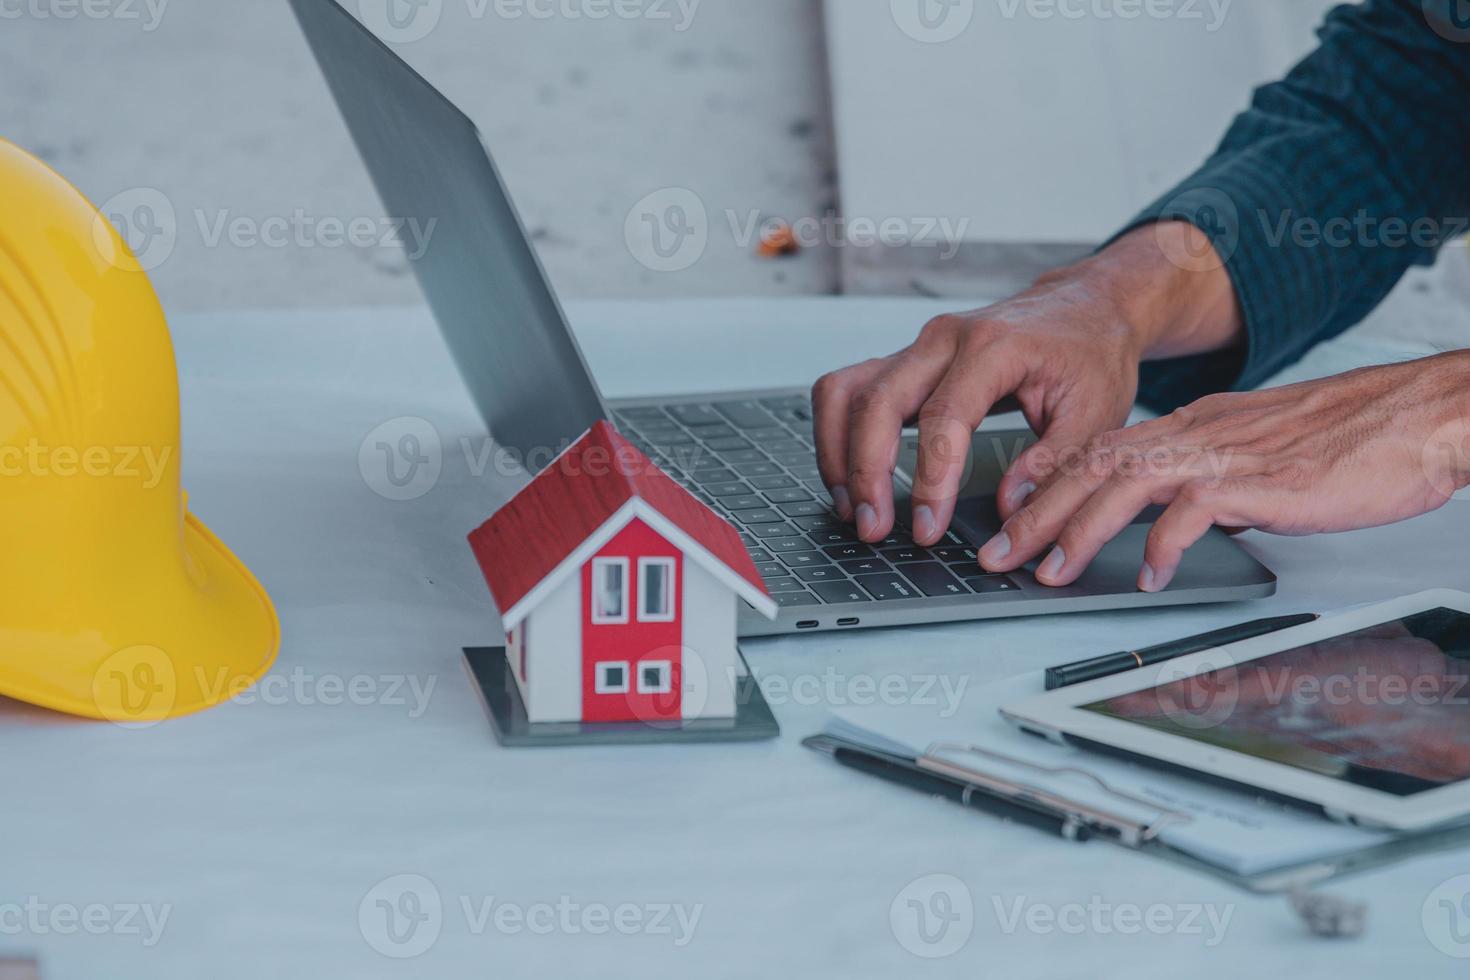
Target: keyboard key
(786, 600)
(773, 483)
(758, 555)
(771, 531)
(705, 461)
(806, 472)
(766, 434)
(788, 496)
(864, 566)
(810, 508)
(822, 523)
(704, 433)
(656, 426)
(774, 585)
(772, 569)
(763, 516)
(728, 445)
(788, 460)
(715, 475)
(806, 559)
(726, 489)
(641, 413)
(932, 579)
(696, 414)
(749, 501)
(838, 593)
(898, 539)
(744, 414)
(748, 540)
(899, 555)
(835, 535)
(785, 546)
(957, 556)
(842, 552)
(788, 447)
(821, 573)
(887, 587)
(743, 456)
(758, 469)
(991, 584)
(671, 440)
(786, 402)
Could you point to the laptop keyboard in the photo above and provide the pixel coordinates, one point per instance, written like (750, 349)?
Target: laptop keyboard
(754, 463)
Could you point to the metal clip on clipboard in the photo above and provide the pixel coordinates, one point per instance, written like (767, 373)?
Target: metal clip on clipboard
(1079, 820)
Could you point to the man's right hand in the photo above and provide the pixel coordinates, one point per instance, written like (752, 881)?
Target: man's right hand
(1067, 350)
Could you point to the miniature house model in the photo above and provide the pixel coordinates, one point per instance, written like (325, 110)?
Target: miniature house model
(618, 590)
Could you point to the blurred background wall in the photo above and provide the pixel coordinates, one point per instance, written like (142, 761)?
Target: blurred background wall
(951, 147)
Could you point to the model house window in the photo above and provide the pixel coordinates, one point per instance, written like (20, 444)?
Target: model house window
(612, 678)
(609, 590)
(655, 677)
(656, 590)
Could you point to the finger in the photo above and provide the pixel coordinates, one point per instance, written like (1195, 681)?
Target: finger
(877, 414)
(1100, 519)
(947, 421)
(1061, 444)
(830, 400)
(1041, 520)
(1184, 522)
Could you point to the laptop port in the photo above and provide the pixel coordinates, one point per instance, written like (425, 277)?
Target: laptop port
(808, 624)
(849, 621)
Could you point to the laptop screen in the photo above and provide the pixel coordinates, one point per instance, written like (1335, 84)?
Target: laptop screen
(477, 268)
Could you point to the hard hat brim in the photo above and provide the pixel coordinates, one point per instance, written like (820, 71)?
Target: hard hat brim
(204, 645)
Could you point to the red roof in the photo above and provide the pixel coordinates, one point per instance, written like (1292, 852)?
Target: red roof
(574, 498)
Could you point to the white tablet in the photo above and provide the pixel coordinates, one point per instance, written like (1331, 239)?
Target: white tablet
(1365, 714)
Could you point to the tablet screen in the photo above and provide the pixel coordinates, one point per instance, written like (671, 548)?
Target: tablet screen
(1387, 707)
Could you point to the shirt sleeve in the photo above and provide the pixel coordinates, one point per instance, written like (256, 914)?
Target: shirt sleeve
(1329, 187)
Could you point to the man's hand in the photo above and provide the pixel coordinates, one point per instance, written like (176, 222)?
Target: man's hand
(1067, 350)
(1363, 449)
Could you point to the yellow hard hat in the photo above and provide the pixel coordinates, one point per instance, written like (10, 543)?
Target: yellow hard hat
(115, 602)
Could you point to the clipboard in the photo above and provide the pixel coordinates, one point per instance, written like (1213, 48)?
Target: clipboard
(952, 766)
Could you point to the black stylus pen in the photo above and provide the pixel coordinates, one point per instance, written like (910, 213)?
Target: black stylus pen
(1117, 663)
(904, 771)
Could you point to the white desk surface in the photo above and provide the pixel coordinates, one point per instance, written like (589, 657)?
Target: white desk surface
(262, 826)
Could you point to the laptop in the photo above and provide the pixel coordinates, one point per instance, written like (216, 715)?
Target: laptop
(749, 455)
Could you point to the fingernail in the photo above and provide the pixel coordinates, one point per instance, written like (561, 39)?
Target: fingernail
(1157, 581)
(996, 550)
(1020, 494)
(1052, 567)
(867, 520)
(1146, 578)
(843, 502)
(925, 527)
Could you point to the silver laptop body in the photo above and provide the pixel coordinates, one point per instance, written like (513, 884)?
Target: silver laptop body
(749, 455)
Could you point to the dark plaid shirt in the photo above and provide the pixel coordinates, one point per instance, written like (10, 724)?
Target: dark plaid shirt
(1330, 186)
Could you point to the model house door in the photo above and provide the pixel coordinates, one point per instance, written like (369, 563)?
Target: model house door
(632, 599)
